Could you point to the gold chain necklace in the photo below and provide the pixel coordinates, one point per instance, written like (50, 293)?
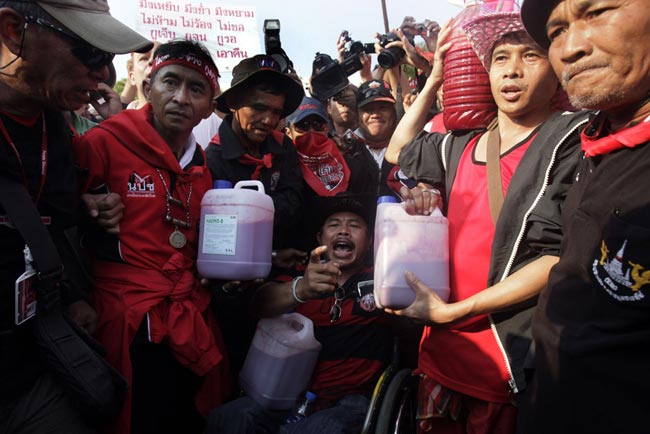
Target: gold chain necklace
(177, 239)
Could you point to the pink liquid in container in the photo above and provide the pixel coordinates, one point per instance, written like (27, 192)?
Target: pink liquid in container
(280, 361)
(467, 98)
(236, 232)
(406, 242)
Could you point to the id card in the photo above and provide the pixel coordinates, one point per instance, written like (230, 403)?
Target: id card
(25, 296)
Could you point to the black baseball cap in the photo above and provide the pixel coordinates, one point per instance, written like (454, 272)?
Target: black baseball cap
(320, 208)
(375, 90)
(254, 70)
(534, 15)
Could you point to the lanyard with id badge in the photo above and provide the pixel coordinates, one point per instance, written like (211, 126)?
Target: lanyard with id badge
(25, 286)
(25, 291)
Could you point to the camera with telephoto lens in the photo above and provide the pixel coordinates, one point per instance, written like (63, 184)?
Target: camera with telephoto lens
(389, 57)
(273, 46)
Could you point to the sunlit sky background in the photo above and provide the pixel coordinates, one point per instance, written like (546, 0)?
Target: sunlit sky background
(310, 26)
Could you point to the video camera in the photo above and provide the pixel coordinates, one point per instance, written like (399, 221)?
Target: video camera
(273, 46)
(330, 76)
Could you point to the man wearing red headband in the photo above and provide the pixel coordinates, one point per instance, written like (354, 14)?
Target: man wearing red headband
(154, 318)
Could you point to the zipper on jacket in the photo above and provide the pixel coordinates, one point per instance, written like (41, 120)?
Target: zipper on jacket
(511, 381)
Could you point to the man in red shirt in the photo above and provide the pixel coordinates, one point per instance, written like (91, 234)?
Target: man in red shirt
(334, 290)
(154, 316)
(474, 355)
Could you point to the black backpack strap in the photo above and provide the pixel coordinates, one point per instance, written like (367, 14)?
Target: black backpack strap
(20, 208)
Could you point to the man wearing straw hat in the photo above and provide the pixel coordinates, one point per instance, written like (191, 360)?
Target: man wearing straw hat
(504, 190)
(591, 327)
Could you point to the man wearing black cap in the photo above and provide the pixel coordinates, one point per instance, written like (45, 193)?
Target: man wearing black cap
(377, 122)
(52, 55)
(591, 328)
(334, 290)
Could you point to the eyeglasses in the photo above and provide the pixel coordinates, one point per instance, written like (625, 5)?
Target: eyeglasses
(316, 124)
(90, 56)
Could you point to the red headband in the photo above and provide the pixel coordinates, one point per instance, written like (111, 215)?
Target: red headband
(189, 61)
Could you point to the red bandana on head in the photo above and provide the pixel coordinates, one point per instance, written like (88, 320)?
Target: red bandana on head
(630, 137)
(322, 164)
(189, 61)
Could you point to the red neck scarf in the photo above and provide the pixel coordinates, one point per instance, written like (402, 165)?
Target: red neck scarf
(259, 163)
(322, 164)
(593, 144)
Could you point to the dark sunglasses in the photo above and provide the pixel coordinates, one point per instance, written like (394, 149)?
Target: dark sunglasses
(90, 56)
(316, 124)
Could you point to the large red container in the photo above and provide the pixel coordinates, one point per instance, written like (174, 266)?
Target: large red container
(467, 98)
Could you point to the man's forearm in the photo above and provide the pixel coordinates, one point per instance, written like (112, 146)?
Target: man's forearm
(413, 120)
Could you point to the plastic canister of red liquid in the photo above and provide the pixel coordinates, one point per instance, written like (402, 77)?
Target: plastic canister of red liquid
(280, 361)
(466, 93)
(405, 242)
(236, 232)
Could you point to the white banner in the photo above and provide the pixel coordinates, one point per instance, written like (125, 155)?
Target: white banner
(230, 32)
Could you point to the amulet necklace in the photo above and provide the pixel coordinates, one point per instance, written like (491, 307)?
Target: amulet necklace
(177, 239)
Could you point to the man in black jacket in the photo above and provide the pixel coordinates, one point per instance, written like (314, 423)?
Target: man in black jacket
(499, 257)
(50, 62)
(249, 147)
(591, 327)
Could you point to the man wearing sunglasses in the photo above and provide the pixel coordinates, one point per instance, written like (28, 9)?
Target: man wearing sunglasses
(327, 171)
(53, 54)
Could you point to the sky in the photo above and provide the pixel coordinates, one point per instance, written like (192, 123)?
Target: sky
(307, 27)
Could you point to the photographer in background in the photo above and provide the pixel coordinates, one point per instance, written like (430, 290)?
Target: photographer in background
(398, 48)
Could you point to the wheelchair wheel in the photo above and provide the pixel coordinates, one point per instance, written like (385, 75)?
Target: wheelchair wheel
(376, 399)
(397, 411)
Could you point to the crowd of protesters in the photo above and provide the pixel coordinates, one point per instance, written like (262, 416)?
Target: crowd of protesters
(546, 326)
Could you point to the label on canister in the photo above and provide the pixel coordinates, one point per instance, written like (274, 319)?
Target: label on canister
(219, 234)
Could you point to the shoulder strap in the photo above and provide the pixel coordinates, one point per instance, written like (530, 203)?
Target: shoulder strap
(25, 217)
(493, 166)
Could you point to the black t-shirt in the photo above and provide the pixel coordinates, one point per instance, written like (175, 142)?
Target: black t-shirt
(58, 201)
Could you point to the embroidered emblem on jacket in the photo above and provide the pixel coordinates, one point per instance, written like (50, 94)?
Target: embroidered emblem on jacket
(140, 186)
(620, 277)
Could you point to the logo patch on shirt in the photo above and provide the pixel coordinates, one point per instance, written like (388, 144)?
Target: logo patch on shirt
(621, 277)
(275, 178)
(140, 186)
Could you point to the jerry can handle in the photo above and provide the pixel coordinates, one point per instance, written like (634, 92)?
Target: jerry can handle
(251, 183)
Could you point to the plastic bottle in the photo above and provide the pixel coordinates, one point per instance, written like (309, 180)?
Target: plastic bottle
(302, 409)
(467, 98)
(280, 361)
(405, 242)
(236, 232)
